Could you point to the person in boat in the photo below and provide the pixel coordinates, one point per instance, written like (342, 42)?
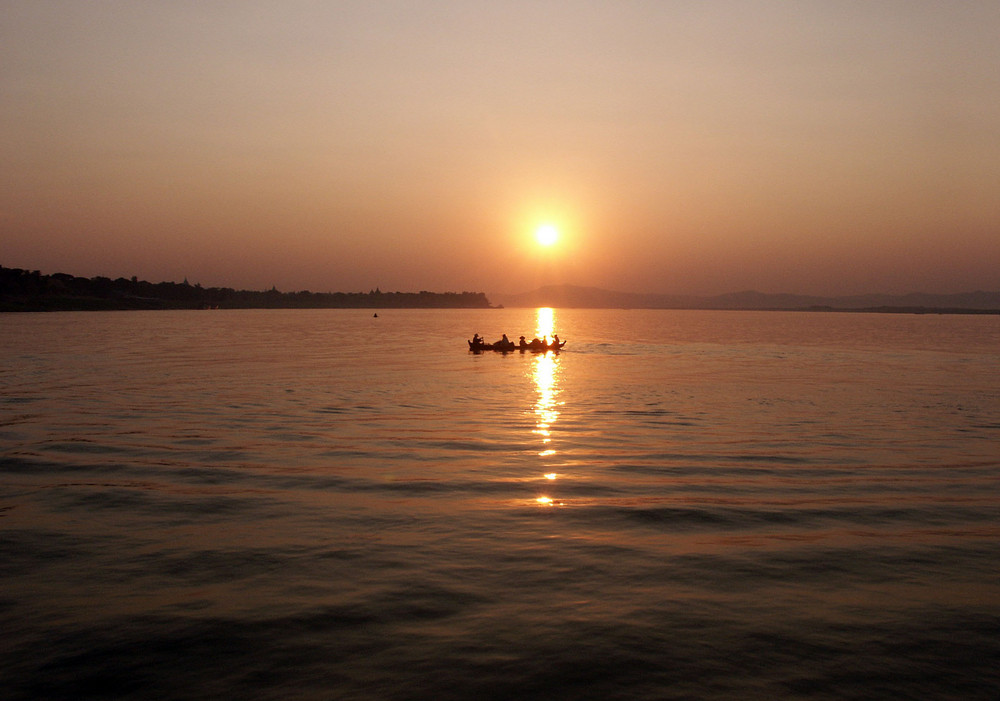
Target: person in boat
(555, 340)
(535, 343)
(522, 343)
(505, 340)
(477, 341)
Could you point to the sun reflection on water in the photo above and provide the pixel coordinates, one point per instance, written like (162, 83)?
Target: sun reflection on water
(545, 373)
(546, 322)
(546, 411)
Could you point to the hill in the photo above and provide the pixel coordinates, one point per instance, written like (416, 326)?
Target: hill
(570, 296)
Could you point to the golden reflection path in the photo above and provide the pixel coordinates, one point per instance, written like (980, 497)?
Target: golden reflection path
(545, 373)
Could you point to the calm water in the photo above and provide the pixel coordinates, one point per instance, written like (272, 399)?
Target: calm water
(323, 504)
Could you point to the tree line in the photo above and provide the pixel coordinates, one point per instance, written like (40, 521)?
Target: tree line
(24, 290)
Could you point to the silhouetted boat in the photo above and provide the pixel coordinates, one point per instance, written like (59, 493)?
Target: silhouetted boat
(510, 347)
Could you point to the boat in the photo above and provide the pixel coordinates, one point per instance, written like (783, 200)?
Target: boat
(510, 347)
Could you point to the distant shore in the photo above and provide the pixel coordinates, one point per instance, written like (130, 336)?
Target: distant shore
(30, 291)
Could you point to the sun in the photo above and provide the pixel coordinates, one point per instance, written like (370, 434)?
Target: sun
(546, 234)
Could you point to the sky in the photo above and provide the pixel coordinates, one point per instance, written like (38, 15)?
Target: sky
(815, 147)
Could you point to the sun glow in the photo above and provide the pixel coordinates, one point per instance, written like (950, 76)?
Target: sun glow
(546, 235)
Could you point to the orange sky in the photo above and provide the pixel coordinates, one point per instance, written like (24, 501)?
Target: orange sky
(682, 147)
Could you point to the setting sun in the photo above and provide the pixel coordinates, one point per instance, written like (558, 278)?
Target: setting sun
(546, 235)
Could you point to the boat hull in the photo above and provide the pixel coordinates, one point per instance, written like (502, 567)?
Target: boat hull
(512, 347)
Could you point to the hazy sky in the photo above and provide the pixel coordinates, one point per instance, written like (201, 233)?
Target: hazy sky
(689, 147)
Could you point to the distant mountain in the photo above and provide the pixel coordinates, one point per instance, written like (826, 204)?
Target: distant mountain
(571, 296)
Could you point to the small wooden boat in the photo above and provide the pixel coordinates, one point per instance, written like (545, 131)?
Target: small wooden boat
(510, 347)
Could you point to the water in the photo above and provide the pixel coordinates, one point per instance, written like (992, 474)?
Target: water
(327, 505)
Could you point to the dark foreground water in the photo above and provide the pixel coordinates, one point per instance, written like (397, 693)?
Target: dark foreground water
(327, 505)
